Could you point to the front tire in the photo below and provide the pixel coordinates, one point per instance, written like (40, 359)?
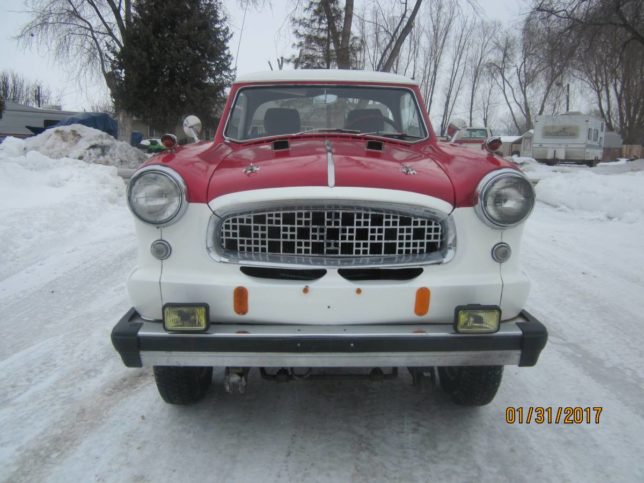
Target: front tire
(182, 385)
(471, 386)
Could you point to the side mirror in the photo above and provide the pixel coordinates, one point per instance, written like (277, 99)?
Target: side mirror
(192, 127)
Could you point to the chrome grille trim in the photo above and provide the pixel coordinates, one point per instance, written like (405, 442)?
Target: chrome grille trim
(332, 234)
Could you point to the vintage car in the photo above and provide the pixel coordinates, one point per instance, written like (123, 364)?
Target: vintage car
(472, 137)
(326, 227)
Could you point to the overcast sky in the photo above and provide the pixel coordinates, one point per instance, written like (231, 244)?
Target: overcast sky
(266, 36)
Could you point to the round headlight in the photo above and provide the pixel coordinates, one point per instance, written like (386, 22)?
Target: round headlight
(505, 198)
(157, 195)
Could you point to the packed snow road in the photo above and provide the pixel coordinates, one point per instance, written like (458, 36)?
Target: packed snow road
(70, 410)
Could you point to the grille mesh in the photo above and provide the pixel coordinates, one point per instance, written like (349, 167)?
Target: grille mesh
(329, 232)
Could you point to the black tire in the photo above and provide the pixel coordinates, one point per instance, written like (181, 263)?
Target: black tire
(471, 386)
(552, 162)
(593, 163)
(182, 385)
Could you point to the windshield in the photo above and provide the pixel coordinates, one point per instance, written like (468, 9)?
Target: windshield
(282, 110)
(472, 134)
(560, 131)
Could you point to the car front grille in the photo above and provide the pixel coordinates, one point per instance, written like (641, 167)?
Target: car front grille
(330, 235)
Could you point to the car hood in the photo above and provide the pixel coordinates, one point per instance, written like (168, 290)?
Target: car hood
(305, 162)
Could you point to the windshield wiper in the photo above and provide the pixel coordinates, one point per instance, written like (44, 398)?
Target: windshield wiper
(396, 135)
(329, 129)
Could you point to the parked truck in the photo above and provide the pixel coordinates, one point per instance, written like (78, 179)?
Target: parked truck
(571, 138)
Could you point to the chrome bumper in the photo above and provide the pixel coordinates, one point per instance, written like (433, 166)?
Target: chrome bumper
(145, 343)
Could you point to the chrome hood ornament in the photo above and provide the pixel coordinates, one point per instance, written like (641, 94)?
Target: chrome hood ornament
(251, 169)
(408, 170)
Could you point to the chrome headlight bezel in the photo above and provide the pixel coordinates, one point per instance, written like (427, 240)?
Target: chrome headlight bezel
(486, 188)
(176, 181)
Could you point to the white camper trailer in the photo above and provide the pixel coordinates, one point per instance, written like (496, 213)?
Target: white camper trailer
(571, 138)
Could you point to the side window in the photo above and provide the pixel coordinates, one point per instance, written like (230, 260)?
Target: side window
(409, 117)
(590, 134)
(237, 118)
(595, 135)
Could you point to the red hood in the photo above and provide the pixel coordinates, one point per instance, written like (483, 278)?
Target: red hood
(440, 169)
(305, 164)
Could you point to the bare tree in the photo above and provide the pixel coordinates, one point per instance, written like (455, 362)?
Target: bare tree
(530, 70)
(615, 75)
(441, 15)
(280, 63)
(105, 105)
(485, 96)
(341, 38)
(594, 16)
(390, 38)
(397, 36)
(477, 58)
(15, 88)
(454, 82)
(384, 31)
(606, 38)
(83, 33)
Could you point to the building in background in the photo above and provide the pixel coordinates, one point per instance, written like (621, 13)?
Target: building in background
(572, 137)
(22, 121)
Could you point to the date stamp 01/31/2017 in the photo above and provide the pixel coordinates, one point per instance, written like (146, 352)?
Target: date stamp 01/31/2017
(553, 415)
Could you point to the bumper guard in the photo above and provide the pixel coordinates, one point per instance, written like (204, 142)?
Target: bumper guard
(145, 343)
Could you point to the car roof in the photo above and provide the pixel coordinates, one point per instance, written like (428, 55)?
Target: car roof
(325, 75)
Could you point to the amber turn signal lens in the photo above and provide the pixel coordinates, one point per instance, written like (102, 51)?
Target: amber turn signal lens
(185, 317)
(421, 307)
(169, 141)
(240, 300)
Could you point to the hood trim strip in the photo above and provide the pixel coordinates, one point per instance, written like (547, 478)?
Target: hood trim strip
(330, 164)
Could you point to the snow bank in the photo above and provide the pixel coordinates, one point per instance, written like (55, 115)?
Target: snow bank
(46, 203)
(617, 196)
(78, 142)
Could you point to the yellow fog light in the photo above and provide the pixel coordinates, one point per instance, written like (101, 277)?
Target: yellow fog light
(185, 317)
(477, 319)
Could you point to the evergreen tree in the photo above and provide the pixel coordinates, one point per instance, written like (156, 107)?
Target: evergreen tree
(174, 61)
(314, 42)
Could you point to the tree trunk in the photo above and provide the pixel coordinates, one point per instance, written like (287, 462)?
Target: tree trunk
(395, 51)
(125, 126)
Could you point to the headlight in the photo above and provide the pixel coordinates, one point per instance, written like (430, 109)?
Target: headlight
(505, 198)
(157, 195)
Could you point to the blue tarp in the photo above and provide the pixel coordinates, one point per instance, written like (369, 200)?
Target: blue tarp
(97, 120)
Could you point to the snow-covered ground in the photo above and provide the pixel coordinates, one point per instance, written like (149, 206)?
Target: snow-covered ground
(70, 410)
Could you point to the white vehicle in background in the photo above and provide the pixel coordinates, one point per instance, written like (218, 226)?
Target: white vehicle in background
(472, 137)
(570, 138)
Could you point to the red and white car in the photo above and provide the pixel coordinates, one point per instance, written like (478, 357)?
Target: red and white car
(325, 226)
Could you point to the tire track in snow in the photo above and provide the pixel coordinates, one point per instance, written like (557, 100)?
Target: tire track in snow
(63, 435)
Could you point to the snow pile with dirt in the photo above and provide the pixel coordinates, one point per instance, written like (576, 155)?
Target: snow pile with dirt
(70, 410)
(79, 142)
(49, 202)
